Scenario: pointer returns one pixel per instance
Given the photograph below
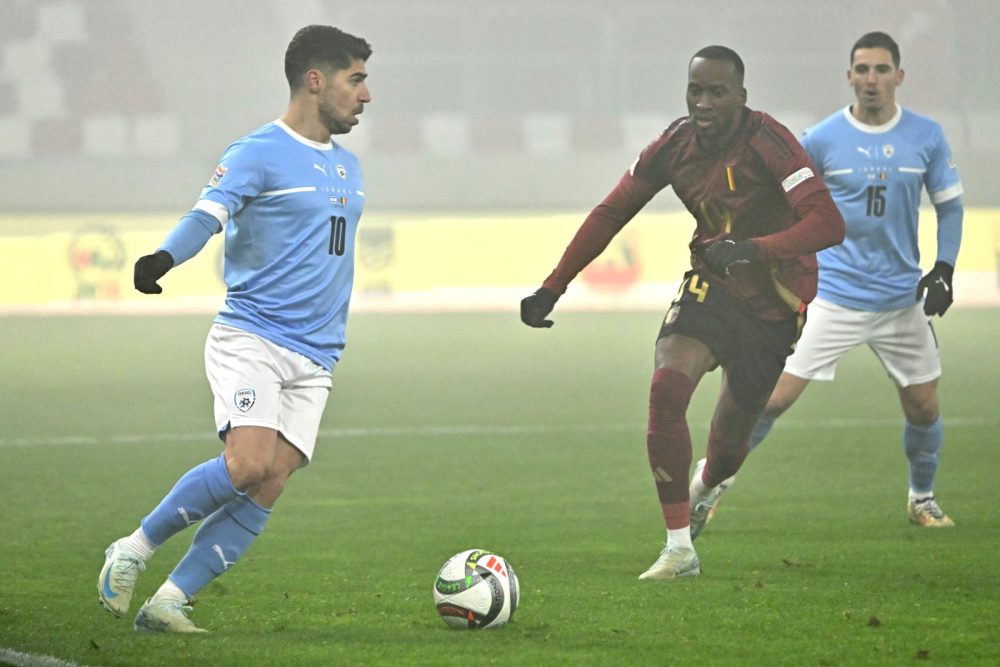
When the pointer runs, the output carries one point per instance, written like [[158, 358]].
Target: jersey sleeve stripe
[[273, 193], [947, 194], [912, 170], [214, 209]]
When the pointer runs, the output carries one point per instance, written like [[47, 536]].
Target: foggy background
[[109, 105]]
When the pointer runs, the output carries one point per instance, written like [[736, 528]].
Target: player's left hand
[[722, 256], [937, 283]]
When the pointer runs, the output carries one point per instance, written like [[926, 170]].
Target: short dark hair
[[322, 45], [877, 40], [716, 52]]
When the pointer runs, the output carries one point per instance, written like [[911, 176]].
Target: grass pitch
[[447, 432]]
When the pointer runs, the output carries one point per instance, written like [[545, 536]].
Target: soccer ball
[[476, 589]]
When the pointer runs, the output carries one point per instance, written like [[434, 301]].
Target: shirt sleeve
[[941, 178], [607, 219], [237, 178], [818, 222], [949, 231], [190, 236]]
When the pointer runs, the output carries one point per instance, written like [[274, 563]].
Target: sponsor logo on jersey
[[803, 174], [341, 171], [244, 399], [321, 167]]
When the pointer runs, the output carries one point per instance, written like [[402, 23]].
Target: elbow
[[836, 229]]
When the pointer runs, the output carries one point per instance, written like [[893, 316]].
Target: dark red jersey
[[761, 186]]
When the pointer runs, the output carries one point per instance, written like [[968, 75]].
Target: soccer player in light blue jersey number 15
[[876, 158], [289, 199]]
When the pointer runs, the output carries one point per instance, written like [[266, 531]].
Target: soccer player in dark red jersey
[[761, 212]]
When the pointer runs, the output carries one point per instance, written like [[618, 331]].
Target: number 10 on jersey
[[338, 235]]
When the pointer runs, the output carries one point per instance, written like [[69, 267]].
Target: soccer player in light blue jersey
[[876, 157], [289, 199]]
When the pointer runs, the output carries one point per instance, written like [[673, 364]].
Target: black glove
[[534, 308], [938, 285], [723, 255], [149, 269]]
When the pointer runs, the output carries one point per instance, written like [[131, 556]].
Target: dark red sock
[[668, 443], [724, 458]]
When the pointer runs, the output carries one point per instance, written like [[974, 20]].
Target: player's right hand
[[149, 269], [534, 308]]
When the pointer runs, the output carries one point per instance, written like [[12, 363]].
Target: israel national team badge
[[244, 399], [888, 150], [341, 171]]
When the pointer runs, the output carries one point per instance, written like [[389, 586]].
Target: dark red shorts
[[752, 350]]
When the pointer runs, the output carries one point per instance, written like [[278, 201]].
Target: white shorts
[[903, 340], [258, 383]]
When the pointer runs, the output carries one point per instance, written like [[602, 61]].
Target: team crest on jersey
[[888, 150], [244, 399], [217, 175], [672, 314], [341, 171]]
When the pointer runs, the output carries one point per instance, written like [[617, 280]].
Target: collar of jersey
[[328, 146], [874, 129]]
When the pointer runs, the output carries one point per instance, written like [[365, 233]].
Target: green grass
[[447, 432]]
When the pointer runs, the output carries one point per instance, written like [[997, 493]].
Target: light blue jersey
[[290, 208], [876, 174]]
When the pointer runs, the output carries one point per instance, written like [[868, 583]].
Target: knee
[[246, 472], [670, 392], [920, 405], [923, 414]]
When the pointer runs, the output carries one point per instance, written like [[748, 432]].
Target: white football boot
[[674, 562], [926, 512], [117, 579], [165, 616], [703, 506]]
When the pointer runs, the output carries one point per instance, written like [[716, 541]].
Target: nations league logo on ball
[[244, 399]]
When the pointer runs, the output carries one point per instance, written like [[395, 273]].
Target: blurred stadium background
[[126, 105], [113, 114]]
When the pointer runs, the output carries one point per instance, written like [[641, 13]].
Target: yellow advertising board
[[454, 262]]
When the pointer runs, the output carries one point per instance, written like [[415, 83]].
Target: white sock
[[169, 591], [680, 537], [140, 544], [917, 496]]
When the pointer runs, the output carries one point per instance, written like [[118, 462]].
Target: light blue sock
[[219, 543], [760, 430], [201, 491], [922, 445]]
